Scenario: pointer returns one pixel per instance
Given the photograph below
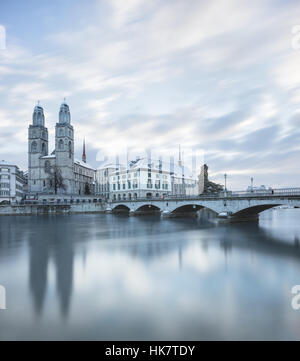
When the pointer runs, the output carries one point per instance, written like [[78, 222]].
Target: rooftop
[[4, 162], [81, 163]]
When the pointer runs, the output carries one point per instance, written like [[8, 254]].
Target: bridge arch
[[254, 210], [121, 208], [148, 208], [190, 207]]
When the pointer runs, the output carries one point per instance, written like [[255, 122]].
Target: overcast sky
[[221, 77]]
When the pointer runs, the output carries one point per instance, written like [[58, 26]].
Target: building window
[[70, 150], [60, 144], [34, 146]]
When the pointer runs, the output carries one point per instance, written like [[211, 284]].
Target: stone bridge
[[239, 206]]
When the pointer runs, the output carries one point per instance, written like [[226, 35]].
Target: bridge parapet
[[241, 206]]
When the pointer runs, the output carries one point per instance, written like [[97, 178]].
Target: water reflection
[[116, 277]]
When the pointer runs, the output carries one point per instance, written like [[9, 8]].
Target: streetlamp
[[225, 190]]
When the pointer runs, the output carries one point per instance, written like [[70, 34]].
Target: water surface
[[108, 277]]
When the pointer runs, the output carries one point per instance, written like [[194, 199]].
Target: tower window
[[70, 150], [60, 144], [34, 146], [43, 149]]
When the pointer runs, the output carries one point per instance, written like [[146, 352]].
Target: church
[[58, 172]]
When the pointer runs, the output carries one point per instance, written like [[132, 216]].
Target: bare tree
[[55, 178], [87, 189]]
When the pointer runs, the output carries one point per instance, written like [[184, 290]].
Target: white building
[[11, 183], [58, 172], [103, 179], [151, 178]]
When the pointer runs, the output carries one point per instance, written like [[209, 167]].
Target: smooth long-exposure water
[[109, 277]]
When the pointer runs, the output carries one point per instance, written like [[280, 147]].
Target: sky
[[220, 77]]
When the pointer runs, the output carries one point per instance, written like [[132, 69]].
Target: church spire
[[38, 117], [179, 157], [83, 152], [64, 113]]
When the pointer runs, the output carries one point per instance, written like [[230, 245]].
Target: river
[[113, 277]]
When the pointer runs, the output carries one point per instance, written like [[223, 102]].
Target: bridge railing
[[267, 192]]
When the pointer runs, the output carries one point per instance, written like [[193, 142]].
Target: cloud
[[221, 77]]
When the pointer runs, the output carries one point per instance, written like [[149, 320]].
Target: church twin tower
[[44, 169]]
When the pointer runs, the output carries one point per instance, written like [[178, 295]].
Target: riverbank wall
[[36, 209]]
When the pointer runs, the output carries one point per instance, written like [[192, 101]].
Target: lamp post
[[225, 190]]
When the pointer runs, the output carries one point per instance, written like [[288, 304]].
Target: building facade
[[147, 178], [58, 172], [103, 179], [12, 182]]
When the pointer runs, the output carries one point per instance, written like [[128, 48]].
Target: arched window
[[34, 146], [43, 149], [70, 150], [61, 144], [60, 131]]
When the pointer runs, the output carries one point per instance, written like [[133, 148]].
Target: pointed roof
[[83, 152]]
